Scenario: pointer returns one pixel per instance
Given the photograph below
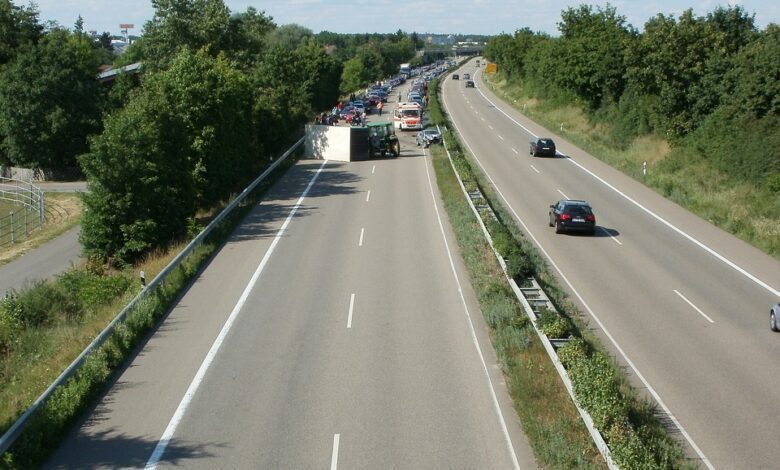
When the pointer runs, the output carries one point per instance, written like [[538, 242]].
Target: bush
[[553, 325], [44, 303], [11, 324], [597, 388], [573, 351], [90, 289]]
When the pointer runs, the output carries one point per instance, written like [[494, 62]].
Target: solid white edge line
[[693, 306], [368, 195], [690, 238], [362, 230], [534, 168], [590, 311], [473, 332], [351, 309], [564, 196], [162, 444], [334, 456]]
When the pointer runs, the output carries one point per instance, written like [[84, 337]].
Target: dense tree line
[[710, 84], [219, 93]]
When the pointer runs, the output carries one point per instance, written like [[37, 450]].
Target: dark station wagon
[[574, 215], [543, 146]]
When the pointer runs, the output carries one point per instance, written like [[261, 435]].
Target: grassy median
[[547, 414]]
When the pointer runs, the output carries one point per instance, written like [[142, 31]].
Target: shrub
[[44, 303], [91, 289], [598, 390], [573, 351], [552, 324], [11, 324]]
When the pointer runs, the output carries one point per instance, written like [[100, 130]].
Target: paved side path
[[48, 260], [44, 262]]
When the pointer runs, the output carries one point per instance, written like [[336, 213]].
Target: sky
[[487, 17]]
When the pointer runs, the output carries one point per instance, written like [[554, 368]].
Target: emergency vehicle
[[408, 115]]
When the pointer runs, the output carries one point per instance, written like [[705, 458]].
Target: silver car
[[774, 312], [428, 136]]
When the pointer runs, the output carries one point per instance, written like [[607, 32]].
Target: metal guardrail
[[16, 429], [27, 210], [598, 439]]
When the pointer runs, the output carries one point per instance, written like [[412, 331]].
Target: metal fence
[[159, 280], [22, 205]]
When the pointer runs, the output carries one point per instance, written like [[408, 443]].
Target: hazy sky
[[433, 16]]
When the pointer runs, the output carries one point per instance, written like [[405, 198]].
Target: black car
[[469, 84], [543, 147], [572, 214], [455, 76]]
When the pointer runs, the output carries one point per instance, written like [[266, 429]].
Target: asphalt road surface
[[343, 335], [682, 304]]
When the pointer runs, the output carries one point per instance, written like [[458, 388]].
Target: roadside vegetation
[[557, 434], [696, 97]]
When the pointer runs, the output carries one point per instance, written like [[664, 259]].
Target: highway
[[682, 305], [335, 329]]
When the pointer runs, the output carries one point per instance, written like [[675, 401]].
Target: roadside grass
[[546, 412], [747, 211], [63, 212], [41, 332]]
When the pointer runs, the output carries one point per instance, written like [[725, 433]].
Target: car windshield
[[410, 113]]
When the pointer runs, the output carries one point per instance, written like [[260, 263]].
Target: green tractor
[[382, 140]]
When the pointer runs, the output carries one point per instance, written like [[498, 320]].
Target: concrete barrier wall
[[328, 142]]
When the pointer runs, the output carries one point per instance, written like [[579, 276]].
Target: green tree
[[594, 46], [283, 97], [50, 101], [668, 61], [19, 29], [289, 36], [213, 104], [185, 24], [248, 37], [141, 188], [365, 67]]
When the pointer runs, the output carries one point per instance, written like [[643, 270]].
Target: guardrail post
[[12, 226], [26, 230]]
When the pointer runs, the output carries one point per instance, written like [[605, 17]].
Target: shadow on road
[[264, 220], [601, 232], [109, 449]]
